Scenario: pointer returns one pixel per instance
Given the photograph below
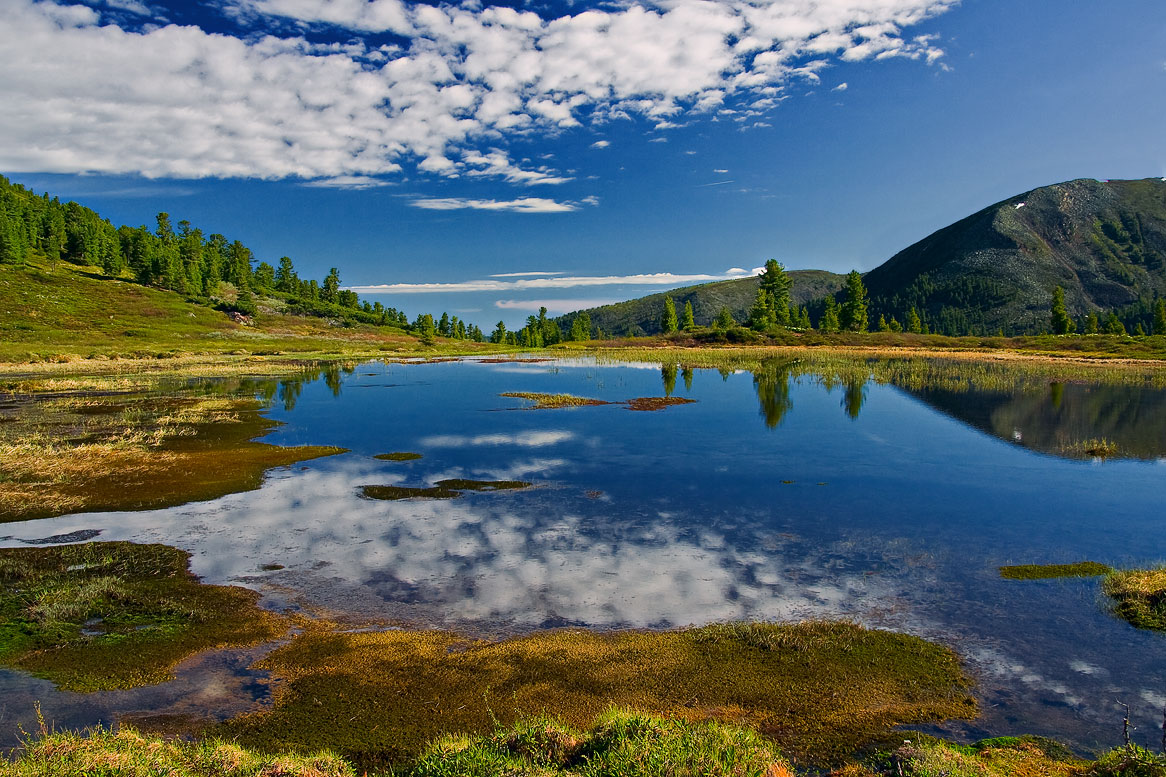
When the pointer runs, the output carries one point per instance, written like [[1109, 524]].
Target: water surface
[[779, 494]]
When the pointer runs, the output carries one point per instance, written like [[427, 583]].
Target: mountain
[[642, 316], [1103, 242]]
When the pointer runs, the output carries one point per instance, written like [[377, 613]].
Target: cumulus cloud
[[601, 144], [563, 282], [530, 274], [164, 100], [842, 87]]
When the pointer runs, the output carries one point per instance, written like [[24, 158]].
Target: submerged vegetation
[[442, 489], [820, 689], [397, 456], [1046, 571], [67, 449], [116, 615], [1139, 596]]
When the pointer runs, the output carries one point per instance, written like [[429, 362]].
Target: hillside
[[642, 316], [1104, 243]]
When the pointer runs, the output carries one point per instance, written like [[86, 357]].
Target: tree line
[[209, 269]]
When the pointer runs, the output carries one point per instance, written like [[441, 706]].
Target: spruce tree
[[883, 326], [914, 324], [724, 320], [829, 322], [1160, 317], [853, 317], [1062, 324], [668, 320], [776, 285], [761, 313], [688, 323]]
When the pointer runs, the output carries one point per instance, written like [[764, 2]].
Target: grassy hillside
[[54, 310], [642, 316], [1104, 243]]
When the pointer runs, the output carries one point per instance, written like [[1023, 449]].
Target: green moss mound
[[1139, 596], [1045, 571], [621, 744], [127, 753], [108, 615], [397, 456], [551, 401], [820, 689], [443, 489]]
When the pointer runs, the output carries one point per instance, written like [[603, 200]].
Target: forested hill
[[1103, 243], [209, 270], [642, 316]]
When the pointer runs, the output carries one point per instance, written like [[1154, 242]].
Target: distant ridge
[[1104, 243], [642, 316]]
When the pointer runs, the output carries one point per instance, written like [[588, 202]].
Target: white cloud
[[521, 205], [720, 170], [601, 144], [565, 282], [178, 101], [532, 273], [842, 87], [348, 182], [552, 305], [539, 439]]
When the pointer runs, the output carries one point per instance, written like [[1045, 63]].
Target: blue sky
[[611, 143]]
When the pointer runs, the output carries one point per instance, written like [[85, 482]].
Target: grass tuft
[[1045, 571], [1139, 596]]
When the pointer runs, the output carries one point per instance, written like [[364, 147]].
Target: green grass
[[549, 401], [819, 689], [443, 489], [107, 615], [1044, 571], [1139, 596], [397, 456], [622, 743], [128, 753]]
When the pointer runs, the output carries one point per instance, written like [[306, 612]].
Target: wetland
[[505, 563]]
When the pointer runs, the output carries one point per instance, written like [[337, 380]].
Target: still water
[[778, 494]]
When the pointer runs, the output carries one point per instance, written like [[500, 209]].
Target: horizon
[[573, 154]]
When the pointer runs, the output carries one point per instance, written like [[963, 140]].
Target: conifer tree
[[829, 322], [668, 320], [776, 285], [1160, 317], [1061, 323], [1113, 325], [853, 316], [914, 324], [724, 320], [883, 326], [688, 323]]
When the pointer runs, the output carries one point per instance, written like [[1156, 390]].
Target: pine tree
[[829, 322], [761, 313], [1160, 317], [1062, 324], [776, 285], [1113, 325], [914, 324], [853, 317], [895, 325], [724, 320], [1092, 324], [883, 326], [688, 323], [668, 320]]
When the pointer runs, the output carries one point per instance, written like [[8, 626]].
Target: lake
[[787, 491]]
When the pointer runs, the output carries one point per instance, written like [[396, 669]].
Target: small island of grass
[[551, 401], [656, 403], [442, 489], [1047, 571], [397, 456], [108, 615], [1139, 596]]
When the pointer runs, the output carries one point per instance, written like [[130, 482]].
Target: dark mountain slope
[[642, 316], [1104, 243]]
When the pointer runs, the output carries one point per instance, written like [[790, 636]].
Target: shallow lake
[[779, 493]]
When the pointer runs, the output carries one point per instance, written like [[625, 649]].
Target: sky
[[487, 159]]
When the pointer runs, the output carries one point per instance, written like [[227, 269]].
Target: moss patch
[[820, 689], [110, 615], [1139, 596], [443, 489], [133, 452], [621, 744], [550, 401], [127, 753], [399, 456], [1043, 571], [656, 403], [1002, 757]]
